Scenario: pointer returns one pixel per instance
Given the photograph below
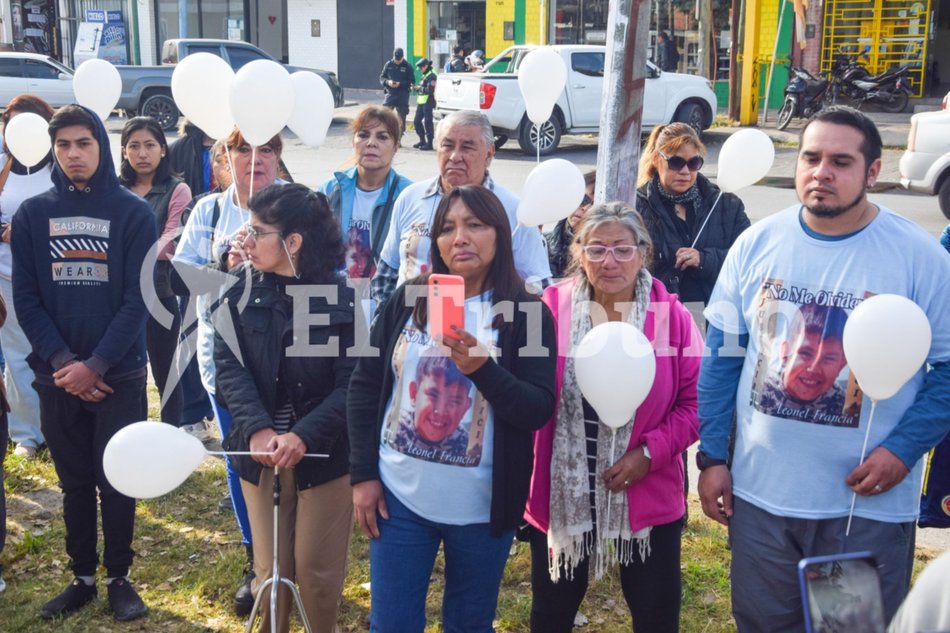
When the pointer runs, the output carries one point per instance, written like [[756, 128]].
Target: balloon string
[[537, 141], [864, 448], [250, 192], [251, 453], [708, 215]]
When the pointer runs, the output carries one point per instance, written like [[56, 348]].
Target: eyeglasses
[[587, 201], [676, 163], [621, 253], [251, 235]]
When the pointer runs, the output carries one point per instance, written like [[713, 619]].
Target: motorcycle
[[805, 95], [853, 84]]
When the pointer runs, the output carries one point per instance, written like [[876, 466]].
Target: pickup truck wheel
[[943, 196], [163, 109], [692, 115], [549, 133]]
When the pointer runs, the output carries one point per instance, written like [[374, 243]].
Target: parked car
[[146, 90], [36, 74], [667, 97], [925, 165]]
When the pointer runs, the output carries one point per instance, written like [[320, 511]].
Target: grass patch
[[189, 559]]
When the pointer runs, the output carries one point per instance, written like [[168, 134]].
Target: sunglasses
[[622, 253], [676, 163], [587, 201]]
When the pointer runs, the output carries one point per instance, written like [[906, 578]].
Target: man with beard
[[787, 494]]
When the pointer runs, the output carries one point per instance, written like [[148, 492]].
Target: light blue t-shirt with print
[[436, 444], [801, 415]]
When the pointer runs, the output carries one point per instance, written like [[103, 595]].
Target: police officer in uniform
[[397, 78], [425, 104]]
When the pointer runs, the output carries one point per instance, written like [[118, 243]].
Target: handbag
[[935, 496]]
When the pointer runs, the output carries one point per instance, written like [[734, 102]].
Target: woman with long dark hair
[[286, 392], [145, 171], [440, 427], [17, 183]]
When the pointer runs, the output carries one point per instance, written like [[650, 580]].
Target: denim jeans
[[223, 417], [401, 562], [24, 416], [195, 405]]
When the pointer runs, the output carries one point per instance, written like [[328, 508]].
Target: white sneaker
[[3, 585], [201, 431], [25, 451]]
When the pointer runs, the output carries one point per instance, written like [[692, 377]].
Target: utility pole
[[628, 33]]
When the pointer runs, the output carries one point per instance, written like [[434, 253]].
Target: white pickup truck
[[668, 97], [925, 165]]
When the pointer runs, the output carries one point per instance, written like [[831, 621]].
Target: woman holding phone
[[289, 401], [440, 426]]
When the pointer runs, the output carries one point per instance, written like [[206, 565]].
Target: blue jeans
[[223, 418], [401, 562]]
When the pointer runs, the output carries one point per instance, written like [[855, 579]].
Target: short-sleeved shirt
[[792, 455], [436, 444]]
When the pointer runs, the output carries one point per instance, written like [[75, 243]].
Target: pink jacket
[[666, 421]]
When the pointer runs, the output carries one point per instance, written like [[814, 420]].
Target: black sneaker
[[244, 598], [426, 147], [124, 602], [73, 598]]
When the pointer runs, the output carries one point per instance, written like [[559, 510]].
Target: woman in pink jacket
[[574, 472]]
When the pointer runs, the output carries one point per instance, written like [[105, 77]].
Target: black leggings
[[652, 588], [162, 343]]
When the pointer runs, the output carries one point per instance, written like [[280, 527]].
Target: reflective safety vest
[[425, 87]]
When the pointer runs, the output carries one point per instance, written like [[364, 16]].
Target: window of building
[[206, 18], [454, 24], [580, 21]]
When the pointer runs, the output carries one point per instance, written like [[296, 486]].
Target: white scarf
[[571, 534]]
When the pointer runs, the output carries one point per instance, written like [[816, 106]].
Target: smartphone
[[446, 305], [841, 592]]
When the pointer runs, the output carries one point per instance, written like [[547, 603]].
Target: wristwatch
[[704, 461]]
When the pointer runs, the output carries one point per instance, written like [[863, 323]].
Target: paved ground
[[893, 128]]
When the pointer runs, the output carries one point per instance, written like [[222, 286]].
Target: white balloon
[[149, 459], [541, 77], [27, 136], [97, 86], [745, 158], [262, 100], [552, 191], [201, 86], [313, 108], [615, 367], [886, 341]]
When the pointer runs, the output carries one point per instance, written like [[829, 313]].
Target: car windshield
[[58, 66]]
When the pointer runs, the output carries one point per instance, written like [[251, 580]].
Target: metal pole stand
[[276, 579]]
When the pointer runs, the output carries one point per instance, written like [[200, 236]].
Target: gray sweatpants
[[766, 549]]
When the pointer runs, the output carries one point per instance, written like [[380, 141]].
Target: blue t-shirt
[[436, 445], [801, 415]]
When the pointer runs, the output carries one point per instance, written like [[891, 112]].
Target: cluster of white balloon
[[261, 99]]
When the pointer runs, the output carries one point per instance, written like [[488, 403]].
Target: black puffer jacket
[[725, 225], [316, 384]]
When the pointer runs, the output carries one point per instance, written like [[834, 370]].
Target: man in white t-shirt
[[464, 149], [797, 463]]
